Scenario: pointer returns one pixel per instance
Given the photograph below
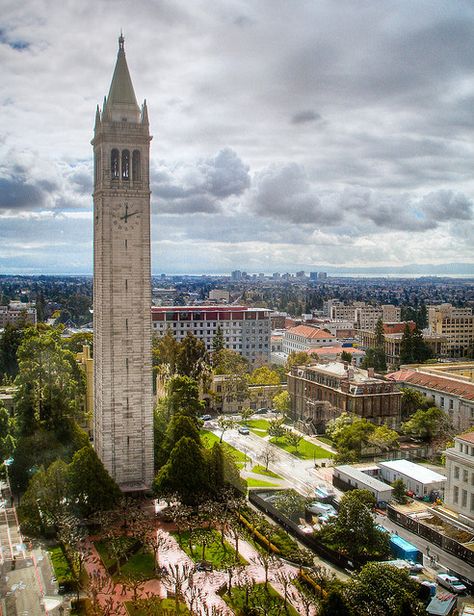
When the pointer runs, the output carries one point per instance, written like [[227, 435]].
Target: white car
[[450, 582], [321, 509]]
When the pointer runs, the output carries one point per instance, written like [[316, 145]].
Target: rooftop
[[368, 480], [414, 471], [306, 331], [158, 309], [335, 350], [337, 368], [468, 437], [439, 383]]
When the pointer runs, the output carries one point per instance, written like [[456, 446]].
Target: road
[[444, 559]]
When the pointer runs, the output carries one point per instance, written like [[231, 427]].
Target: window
[[464, 498], [455, 494], [114, 164], [472, 503], [441, 401], [465, 476], [451, 404], [125, 165], [456, 472], [136, 171]]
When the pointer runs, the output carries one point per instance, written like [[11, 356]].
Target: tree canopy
[[428, 424]]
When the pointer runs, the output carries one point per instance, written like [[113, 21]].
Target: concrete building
[[123, 397], [305, 338], [219, 295], [455, 324], [18, 312], [225, 398], [360, 314], [350, 477], [246, 330], [418, 479], [459, 493], [321, 392], [449, 392], [334, 353]]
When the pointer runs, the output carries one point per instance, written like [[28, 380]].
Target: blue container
[[405, 550]]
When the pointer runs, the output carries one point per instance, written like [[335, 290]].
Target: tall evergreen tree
[[406, 346], [218, 340]]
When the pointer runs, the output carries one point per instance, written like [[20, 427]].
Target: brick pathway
[[201, 589]]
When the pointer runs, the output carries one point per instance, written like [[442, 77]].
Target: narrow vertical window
[[126, 284], [126, 327], [114, 164], [126, 362], [126, 244], [125, 165], [136, 175]]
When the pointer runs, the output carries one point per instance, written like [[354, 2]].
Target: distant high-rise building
[[322, 275], [313, 275], [236, 275], [300, 274], [123, 396]]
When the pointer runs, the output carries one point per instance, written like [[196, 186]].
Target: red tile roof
[[306, 331], [334, 350], [469, 437], [432, 381]]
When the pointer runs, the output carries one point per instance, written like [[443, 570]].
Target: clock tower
[[123, 397]]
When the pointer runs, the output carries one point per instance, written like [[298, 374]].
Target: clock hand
[[127, 215]]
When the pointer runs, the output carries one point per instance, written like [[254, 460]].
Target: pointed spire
[[144, 113], [97, 118], [121, 102]]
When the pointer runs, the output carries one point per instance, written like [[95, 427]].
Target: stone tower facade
[[123, 396]]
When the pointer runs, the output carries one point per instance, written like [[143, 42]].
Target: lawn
[[259, 483], [306, 450], [216, 552], [325, 439], [141, 564], [156, 606], [209, 438], [242, 600], [261, 470], [61, 567], [103, 547], [257, 426]]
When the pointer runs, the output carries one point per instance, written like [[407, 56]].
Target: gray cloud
[[303, 117]]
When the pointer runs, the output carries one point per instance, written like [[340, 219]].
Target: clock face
[[126, 216]]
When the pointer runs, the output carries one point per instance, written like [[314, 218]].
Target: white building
[[417, 478], [459, 494], [219, 295], [456, 324], [305, 338], [18, 312], [246, 330], [347, 477]]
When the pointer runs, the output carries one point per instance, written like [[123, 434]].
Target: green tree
[[346, 356], [428, 424], [218, 343], [335, 605], [354, 530], [192, 358], [264, 376], [165, 351], [216, 465], [7, 441], [293, 439], [412, 400], [10, 340], [354, 436], [281, 402], [382, 589], [399, 490], [276, 428], [182, 397], [297, 358], [179, 426], [406, 346], [91, 488], [421, 351], [383, 438], [49, 382], [185, 473], [75, 342], [225, 423]]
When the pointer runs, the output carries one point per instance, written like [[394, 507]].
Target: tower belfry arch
[[123, 398]]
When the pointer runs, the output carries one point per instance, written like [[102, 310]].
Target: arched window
[[114, 164], [97, 173], [125, 165], [136, 175]]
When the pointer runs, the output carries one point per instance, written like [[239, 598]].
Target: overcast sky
[[287, 134]]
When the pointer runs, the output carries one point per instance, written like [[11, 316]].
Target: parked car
[[415, 567], [261, 411], [450, 582], [204, 565], [244, 430], [206, 417], [321, 509]]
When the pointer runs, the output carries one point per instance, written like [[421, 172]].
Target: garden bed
[[306, 450], [207, 545], [266, 600], [62, 569], [156, 606]]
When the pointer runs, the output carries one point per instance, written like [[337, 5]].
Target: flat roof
[[207, 309], [413, 471], [358, 475], [441, 605]]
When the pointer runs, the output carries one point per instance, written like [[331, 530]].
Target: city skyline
[[286, 136]]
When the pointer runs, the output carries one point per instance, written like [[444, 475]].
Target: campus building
[[459, 494], [455, 324], [306, 338], [245, 330], [323, 391], [17, 312]]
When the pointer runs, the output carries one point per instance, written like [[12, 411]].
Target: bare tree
[[267, 456], [286, 582], [73, 535], [100, 591], [176, 576]]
